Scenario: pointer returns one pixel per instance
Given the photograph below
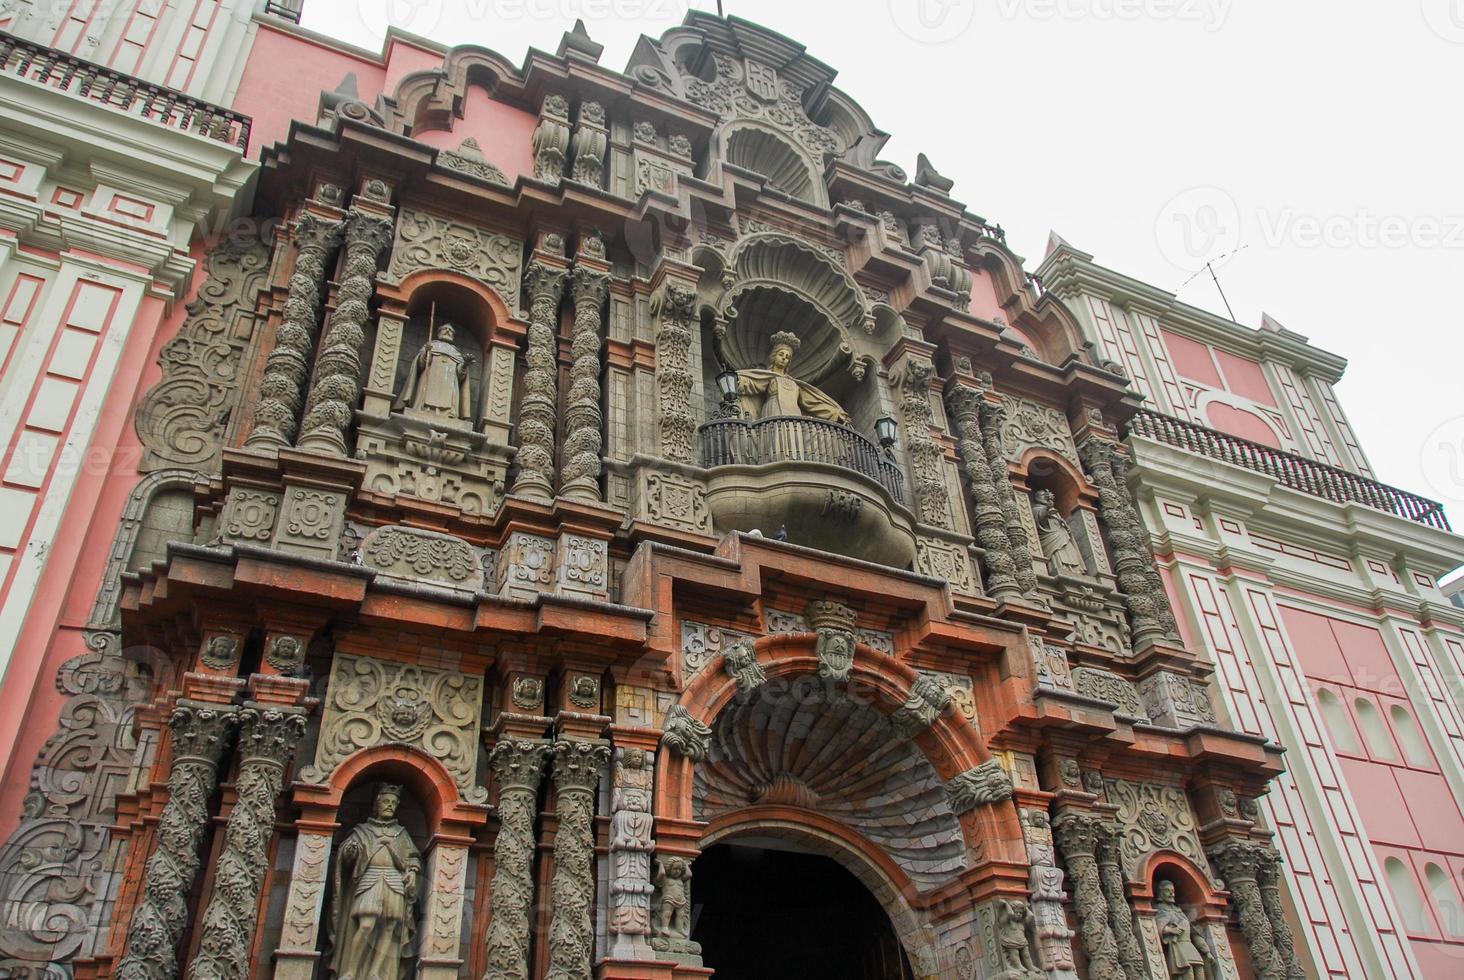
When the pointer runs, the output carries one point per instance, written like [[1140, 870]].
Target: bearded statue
[[374, 897]]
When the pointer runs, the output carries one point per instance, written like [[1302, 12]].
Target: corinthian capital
[[577, 764], [270, 734], [368, 231], [312, 232], [590, 286], [544, 281], [201, 730], [518, 764]]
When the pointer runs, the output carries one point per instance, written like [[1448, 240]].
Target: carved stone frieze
[[700, 644], [1107, 686], [1153, 817], [369, 701], [674, 501], [673, 306], [986, 783], [468, 159], [686, 736], [427, 241], [181, 419], [423, 556], [1029, 424]]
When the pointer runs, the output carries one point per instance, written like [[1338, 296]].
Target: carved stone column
[[336, 387], [993, 418], [281, 389], [1239, 862], [674, 305], [991, 530], [1268, 878], [267, 739], [583, 419], [1120, 466], [932, 499], [1131, 557], [545, 285], [199, 734], [577, 768], [1120, 916], [1077, 835], [518, 765], [630, 853]]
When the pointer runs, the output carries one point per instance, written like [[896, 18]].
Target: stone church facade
[[552, 521]]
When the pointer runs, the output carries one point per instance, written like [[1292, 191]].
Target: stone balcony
[[831, 487]]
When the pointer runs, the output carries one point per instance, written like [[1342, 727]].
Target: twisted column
[[991, 531], [674, 305], [1239, 862], [1077, 835], [1131, 558], [993, 420], [281, 389], [583, 418], [1120, 917], [1120, 464], [267, 739], [336, 386], [545, 285], [199, 734], [577, 768], [517, 767], [1268, 879]]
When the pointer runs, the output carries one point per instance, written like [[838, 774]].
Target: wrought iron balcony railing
[[1288, 469], [790, 439], [59, 70]]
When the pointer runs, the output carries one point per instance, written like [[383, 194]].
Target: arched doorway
[[767, 912]]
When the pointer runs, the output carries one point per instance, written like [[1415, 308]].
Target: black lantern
[[886, 428], [727, 387]]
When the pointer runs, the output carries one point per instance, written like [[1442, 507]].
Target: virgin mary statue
[[769, 392]]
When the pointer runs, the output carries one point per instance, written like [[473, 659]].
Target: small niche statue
[[374, 891], [1182, 957], [1016, 930], [1056, 537], [437, 381], [770, 392]]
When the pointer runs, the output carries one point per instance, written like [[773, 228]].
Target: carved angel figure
[[769, 392], [374, 892], [1015, 927], [1056, 538], [437, 383], [673, 909], [1181, 956]]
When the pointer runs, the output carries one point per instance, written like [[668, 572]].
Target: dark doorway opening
[[764, 914]]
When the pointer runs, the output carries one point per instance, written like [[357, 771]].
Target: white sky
[[1153, 134]]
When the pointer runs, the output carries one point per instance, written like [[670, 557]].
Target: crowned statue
[[374, 896], [770, 392], [437, 381]]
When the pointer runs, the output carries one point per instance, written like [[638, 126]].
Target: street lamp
[[886, 428], [727, 386]]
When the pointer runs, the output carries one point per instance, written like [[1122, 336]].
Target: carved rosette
[[1120, 916], [583, 418], [545, 285], [518, 766], [1244, 864], [577, 767], [281, 389], [986, 783], [1077, 835], [932, 501], [335, 390], [991, 527], [267, 740], [993, 417], [674, 305], [200, 733]]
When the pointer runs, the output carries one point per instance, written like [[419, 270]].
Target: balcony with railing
[[1297, 472], [831, 487], [37, 63]]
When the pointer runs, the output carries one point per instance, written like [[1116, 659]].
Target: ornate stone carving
[[986, 783], [771, 392], [944, 560], [1059, 546], [1016, 935], [1077, 834], [551, 139], [1268, 869], [775, 102], [374, 924], [686, 736], [927, 701], [545, 284], [583, 418], [584, 692], [674, 306], [589, 144], [285, 654], [932, 501], [1240, 862], [1181, 944], [1028, 424], [369, 701], [1046, 880], [181, 419], [631, 846], [834, 623], [528, 693], [1153, 817], [526, 565], [1120, 915], [740, 660], [468, 159], [673, 500], [1050, 663], [673, 907], [517, 766], [959, 688], [991, 530], [426, 241], [1175, 701], [267, 739], [577, 768], [429, 556], [993, 417], [1107, 686], [282, 387], [700, 644], [250, 514], [221, 652], [335, 389], [200, 733]]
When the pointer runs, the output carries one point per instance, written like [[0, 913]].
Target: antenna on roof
[[719, 9], [1210, 268]]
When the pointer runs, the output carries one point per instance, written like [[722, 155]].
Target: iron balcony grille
[[288, 9], [1288, 469], [793, 439], [84, 79]]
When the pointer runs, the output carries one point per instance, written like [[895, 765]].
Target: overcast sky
[[1318, 138]]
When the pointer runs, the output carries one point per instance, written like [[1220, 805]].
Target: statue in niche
[[673, 911], [1056, 537], [374, 895], [769, 392], [437, 382], [1016, 931], [1182, 956]]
